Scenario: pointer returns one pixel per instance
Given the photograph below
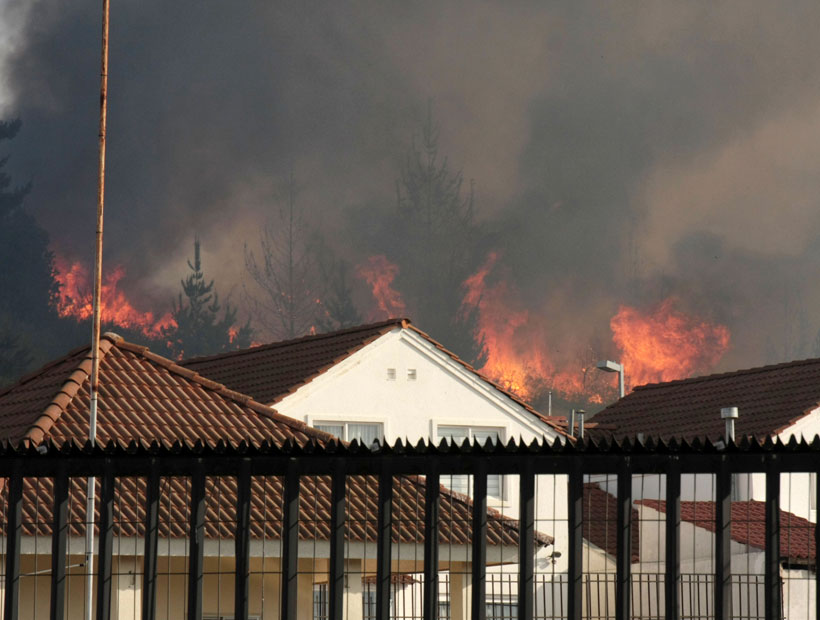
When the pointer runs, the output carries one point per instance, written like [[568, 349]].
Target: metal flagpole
[[95, 327]]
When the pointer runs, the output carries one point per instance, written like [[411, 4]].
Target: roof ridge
[[284, 343], [486, 379], [731, 373], [38, 430]]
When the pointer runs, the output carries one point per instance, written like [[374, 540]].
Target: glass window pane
[[333, 429], [481, 435], [494, 486], [365, 433], [457, 433]]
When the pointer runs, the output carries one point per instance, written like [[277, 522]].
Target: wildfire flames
[[74, 300], [379, 273], [660, 345], [665, 344]]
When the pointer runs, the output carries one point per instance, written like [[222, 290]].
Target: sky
[[621, 152]]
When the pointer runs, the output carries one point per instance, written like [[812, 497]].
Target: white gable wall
[[444, 392]]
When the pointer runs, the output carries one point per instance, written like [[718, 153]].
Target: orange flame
[[379, 273], [660, 345], [665, 344], [74, 300], [515, 341]]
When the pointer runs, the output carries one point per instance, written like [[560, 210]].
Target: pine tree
[[337, 301], [436, 235], [199, 330]]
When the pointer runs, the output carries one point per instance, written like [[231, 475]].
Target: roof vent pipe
[[572, 423], [730, 414], [580, 414]]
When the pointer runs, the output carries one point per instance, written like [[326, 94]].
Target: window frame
[[345, 421], [503, 432]]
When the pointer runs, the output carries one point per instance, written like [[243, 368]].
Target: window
[[365, 432], [411, 374], [460, 434], [812, 491], [391, 374]]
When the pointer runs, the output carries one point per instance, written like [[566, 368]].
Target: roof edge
[[46, 420], [393, 322]]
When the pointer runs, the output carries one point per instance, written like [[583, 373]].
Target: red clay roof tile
[[769, 399], [749, 525]]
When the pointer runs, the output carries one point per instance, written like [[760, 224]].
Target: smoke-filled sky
[[621, 152]]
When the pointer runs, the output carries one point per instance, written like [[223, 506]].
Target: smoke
[[621, 152]]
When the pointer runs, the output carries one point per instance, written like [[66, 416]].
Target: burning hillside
[[74, 300]]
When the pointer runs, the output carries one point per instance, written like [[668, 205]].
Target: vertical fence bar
[[149, 570], [13, 525], [431, 512], [59, 539], [106, 546], [672, 562], [772, 553], [526, 542], [196, 543], [623, 560], [384, 544], [337, 541], [723, 542], [290, 543], [242, 541], [479, 555], [575, 506], [817, 550]]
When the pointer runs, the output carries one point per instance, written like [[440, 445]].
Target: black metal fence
[[135, 484]]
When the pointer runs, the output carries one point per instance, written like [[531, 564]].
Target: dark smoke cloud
[[621, 152]]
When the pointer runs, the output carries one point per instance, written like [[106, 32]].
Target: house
[[390, 380], [387, 381], [780, 401], [146, 398]]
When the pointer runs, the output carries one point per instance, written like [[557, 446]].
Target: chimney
[[730, 414]]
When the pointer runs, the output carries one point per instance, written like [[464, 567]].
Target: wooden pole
[[96, 320]]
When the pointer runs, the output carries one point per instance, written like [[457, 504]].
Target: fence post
[[196, 542], [575, 505], [526, 534], [478, 600], [149, 572], [672, 561], [337, 541], [59, 532], [290, 542], [431, 512], [623, 560], [772, 553], [106, 547], [242, 540], [723, 542], [384, 542]]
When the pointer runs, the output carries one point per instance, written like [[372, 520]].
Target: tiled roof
[[271, 372], [145, 398], [454, 526], [749, 525], [600, 517], [769, 399]]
